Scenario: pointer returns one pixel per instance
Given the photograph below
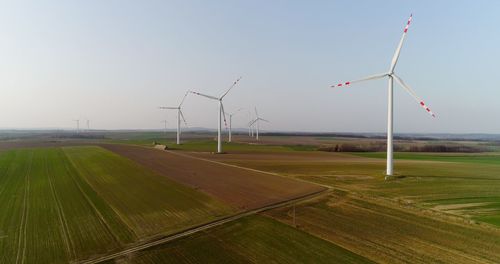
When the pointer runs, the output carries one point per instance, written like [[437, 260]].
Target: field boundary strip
[[199, 228]]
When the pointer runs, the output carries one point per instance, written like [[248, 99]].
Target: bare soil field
[[244, 189]]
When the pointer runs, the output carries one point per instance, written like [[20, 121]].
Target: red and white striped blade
[[400, 45], [224, 115], [231, 87], [184, 98], [168, 107], [204, 95], [371, 77], [183, 119], [413, 94]]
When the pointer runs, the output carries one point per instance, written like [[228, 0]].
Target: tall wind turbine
[[221, 113], [179, 116], [231, 123], [392, 76], [256, 121]]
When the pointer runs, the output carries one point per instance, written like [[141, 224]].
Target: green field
[[254, 239], [483, 158], [62, 204], [90, 201], [211, 145]]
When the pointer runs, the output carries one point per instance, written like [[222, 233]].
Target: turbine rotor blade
[[252, 122], [256, 114], [368, 78], [204, 95], [261, 119], [184, 98], [413, 94], [183, 119], [167, 107], [400, 45], [224, 114], [231, 87]]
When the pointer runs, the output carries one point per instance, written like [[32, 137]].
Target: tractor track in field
[[21, 252], [60, 212], [193, 230], [89, 201]]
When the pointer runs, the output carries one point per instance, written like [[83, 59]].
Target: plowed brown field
[[242, 188]]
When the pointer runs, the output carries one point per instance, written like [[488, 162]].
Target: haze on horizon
[[115, 62]]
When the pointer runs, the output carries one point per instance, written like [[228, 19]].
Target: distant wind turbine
[[392, 76], [221, 113], [77, 125], [179, 115], [250, 129], [231, 122], [256, 121], [165, 121]]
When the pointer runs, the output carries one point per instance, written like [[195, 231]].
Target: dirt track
[[241, 188]]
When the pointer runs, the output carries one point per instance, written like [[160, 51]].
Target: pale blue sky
[[114, 62]]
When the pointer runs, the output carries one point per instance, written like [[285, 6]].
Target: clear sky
[[115, 62]]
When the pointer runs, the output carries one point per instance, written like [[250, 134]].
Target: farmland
[[385, 232], [102, 198], [253, 239], [441, 210], [244, 189], [54, 209], [463, 185]]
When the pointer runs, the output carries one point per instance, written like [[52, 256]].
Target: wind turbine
[[165, 122], [221, 113], [231, 122], [77, 125], [179, 115], [392, 76], [256, 121], [250, 129], [88, 125]]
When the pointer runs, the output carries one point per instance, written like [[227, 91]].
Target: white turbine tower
[[392, 76], [231, 123], [256, 121], [179, 116], [221, 113]]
